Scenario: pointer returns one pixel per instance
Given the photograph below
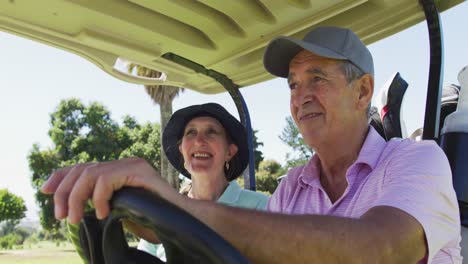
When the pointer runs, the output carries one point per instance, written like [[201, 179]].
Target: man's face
[[323, 104]]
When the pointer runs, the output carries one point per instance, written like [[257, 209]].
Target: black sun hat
[[175, 127]]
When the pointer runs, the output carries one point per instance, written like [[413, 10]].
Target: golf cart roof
[[228, 37]]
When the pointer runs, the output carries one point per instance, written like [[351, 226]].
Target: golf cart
[[214, 46]]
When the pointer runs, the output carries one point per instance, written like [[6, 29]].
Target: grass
[[41, 253]]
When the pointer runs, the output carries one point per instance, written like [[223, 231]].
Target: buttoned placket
[[354, 170]]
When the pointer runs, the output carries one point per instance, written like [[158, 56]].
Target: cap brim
[[282, 50]]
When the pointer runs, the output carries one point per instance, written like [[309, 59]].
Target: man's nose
[[302, 96]]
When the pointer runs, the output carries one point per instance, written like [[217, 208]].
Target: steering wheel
[[185, 238]]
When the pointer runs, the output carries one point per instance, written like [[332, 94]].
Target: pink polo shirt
[[412, 176]]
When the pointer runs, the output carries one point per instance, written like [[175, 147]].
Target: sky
[[34, 78]]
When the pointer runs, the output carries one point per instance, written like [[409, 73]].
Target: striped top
[[412, 176], [234, 196]]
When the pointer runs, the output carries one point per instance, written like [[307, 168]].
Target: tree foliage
[[258, 154], [87, 134], [271, 167], [267, 176], [301, 153], [8, 241], [12, 210]]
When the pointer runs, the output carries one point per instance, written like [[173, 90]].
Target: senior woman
[[209, 146]]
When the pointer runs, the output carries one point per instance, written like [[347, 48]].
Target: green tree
[[145, 143], [271, 167], [258, 154], [291, 137], [12, 210], [162, 95], [42, 163], [23, 233], [8, 241], [267, 176], [87, 134]]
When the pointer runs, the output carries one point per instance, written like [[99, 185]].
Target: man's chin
[[311, 139]]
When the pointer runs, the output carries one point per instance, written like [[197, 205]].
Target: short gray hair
[[352, 72]]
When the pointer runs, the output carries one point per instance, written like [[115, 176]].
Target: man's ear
[[366, 90], [232, 150]]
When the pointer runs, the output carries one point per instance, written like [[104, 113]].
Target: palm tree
[[162, 95]]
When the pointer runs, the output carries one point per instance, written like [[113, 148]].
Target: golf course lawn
[[41, 253]]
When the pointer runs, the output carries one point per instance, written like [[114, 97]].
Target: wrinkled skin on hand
[[73, 186]]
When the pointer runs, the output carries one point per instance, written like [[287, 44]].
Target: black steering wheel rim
[[185, 238]]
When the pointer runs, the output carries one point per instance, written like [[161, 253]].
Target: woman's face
[[205, 147]]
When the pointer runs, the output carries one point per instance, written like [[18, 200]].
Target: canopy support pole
[[434, 89]]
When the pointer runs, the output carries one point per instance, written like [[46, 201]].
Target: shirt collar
[[371, 149], [369, 154], [231, 194], [310, 173]]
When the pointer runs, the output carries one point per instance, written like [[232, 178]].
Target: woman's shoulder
[[253, 200], [254, 194], [239, 197]]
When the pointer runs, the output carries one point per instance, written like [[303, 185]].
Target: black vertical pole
[[249, 178], [236, 95], [434, 89]]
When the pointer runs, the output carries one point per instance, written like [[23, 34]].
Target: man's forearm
[[274, 238]]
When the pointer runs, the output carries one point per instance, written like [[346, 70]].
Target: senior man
[[358, 200]]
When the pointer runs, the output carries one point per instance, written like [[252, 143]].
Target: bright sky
[[35, 77]]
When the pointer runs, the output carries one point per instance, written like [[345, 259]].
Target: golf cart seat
[[448, 105], [453, 132], [454, 138], [385, 116], [454, 142]]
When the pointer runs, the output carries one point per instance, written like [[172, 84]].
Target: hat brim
[[282, 50], [176, 125]]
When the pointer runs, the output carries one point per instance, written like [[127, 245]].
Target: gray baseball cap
[[329, 42]]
